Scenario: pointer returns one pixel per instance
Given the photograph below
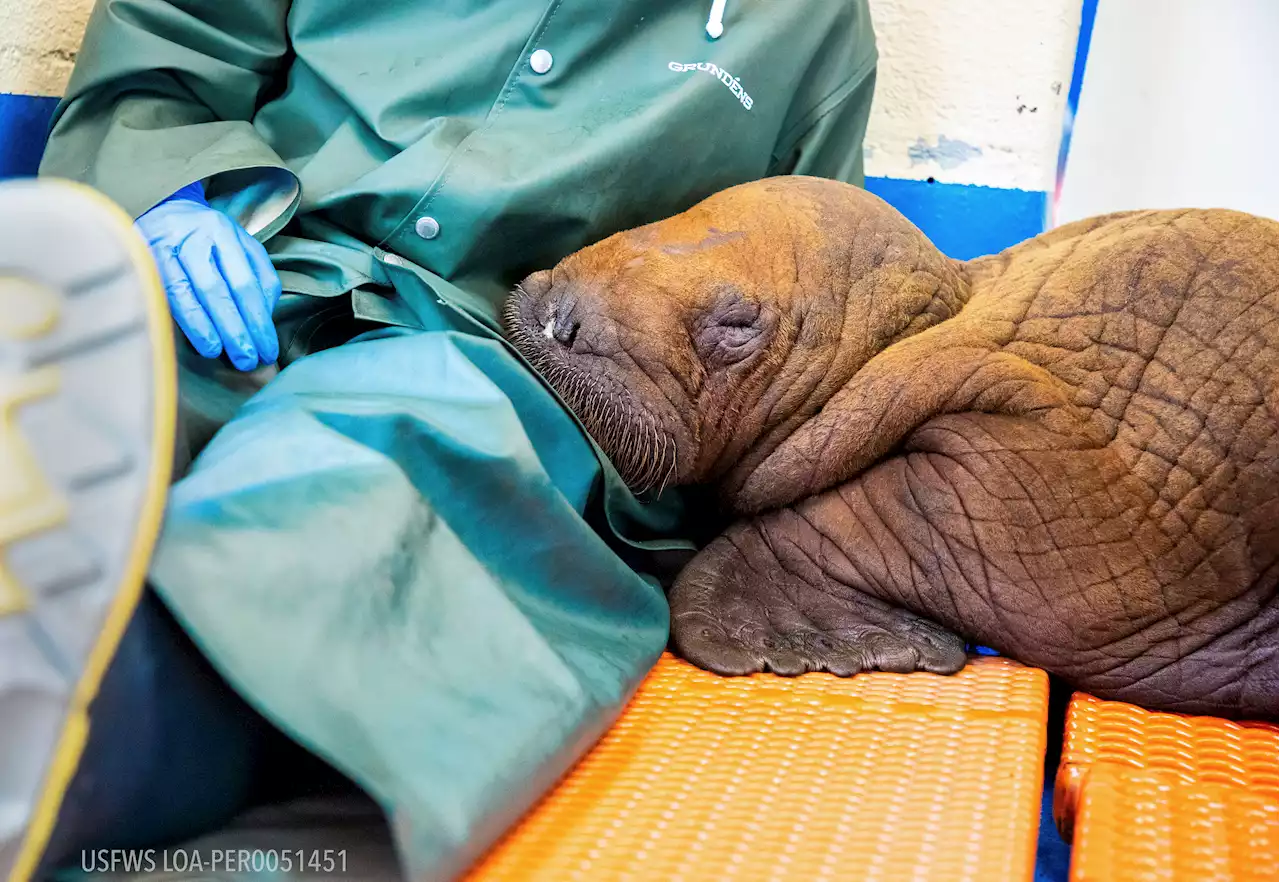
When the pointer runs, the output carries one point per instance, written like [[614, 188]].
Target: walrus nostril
[[563, 331], [562, 325], [566, 331]]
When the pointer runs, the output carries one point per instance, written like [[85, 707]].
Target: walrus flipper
[[754, 600]]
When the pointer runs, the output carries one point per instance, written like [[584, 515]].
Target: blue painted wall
[[1088, 14], [23, 123], [966, 221]]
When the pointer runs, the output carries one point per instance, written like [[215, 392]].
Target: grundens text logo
[[720, 74]]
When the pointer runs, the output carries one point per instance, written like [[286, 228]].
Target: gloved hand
[[220, 283]]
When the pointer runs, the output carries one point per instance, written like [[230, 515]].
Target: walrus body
[[1066, 451]]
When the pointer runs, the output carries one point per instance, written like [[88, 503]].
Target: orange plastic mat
[[1142, 826], [1192, 750], [876, 777], [1154, 796]]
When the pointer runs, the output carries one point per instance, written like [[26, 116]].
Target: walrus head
[[691, 347]]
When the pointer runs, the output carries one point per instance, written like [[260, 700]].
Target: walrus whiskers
[[630, 439]]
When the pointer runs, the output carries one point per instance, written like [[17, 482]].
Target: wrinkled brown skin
[[1066, 451]]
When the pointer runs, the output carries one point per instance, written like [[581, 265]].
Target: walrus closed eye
[[1066, 451]]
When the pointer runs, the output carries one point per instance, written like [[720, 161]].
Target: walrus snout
[[540, 314], [582, 333]]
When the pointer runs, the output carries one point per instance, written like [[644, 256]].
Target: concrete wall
[[963, 138], [971, 93], [968, 115], [38, 43]]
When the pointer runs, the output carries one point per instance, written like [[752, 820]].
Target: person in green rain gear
[[386, 533]]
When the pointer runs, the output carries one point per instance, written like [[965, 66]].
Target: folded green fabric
[[385, 552]]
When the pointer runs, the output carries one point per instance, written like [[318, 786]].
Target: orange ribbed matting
[[1158, 796], [875, 777], [1140, 826], [1190, 749]]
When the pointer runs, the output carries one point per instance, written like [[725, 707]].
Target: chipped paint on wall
[[946, 153], [971, 93]]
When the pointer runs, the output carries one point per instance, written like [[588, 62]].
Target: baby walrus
[[1066, 451]]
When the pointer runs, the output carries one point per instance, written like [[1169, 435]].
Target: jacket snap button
[[541, 61], [427, 227]]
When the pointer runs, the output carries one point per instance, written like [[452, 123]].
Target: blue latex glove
[[220, 283]]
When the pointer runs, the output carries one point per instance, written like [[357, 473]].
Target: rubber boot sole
[[87, 413]]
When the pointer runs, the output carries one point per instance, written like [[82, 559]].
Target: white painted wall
[[973, 92], [1180, 107], [969, 93]]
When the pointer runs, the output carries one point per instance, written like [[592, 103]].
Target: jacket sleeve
[[823, 134], [831, 147], [164, 93]]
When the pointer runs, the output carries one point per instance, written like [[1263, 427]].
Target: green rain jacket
[[389, 549]]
